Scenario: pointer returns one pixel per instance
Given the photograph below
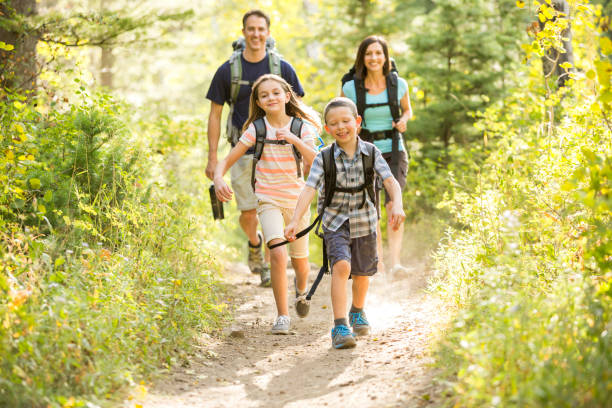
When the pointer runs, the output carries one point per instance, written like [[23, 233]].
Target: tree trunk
[[551, 62], [107, 60], [18, 67]]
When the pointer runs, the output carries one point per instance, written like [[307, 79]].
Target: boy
[[349, 221]]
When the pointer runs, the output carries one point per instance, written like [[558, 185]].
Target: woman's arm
[[406, 113]]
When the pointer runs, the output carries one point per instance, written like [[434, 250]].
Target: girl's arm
[[406, 113], [308, 152], [303, 203], [222, 190]]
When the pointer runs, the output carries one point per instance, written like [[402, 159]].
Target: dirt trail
[[388, 368]]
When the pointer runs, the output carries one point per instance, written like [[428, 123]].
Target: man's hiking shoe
[[359, 323], [302, 305], [266, 280], [281, 325], [342, 337], [255, 259]]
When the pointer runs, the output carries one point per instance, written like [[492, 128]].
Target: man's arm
[[214, 134]]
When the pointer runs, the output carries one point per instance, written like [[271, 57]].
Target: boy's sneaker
[[359, 323], [264, 274], [302, 305], [342, 337], [281, 325], [255, 259]]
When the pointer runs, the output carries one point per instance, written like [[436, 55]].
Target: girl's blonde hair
[[294, 107]]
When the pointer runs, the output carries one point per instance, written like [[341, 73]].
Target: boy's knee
[[342, 267]]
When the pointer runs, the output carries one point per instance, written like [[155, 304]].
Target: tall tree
[[18, 68], [556, 18]]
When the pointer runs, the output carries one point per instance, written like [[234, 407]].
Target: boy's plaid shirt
[[345, 206]]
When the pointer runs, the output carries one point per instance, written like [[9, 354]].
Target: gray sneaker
[[281, 325], [264, 274], [255, 258]]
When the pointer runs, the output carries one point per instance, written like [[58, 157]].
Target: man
[[254, 61]]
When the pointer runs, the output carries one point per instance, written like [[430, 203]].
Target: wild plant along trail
[[248, 367]]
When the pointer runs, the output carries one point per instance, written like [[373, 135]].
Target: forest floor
[[245, 366]]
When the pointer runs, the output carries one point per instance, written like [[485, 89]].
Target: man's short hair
[[257, 13], [340, 102]]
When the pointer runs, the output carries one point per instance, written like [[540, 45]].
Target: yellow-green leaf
[[605, 44], [48, 196], [591, 74], [59, 261], [6, 47], [35, 183], [41, 208]]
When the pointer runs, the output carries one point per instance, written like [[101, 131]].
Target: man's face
[[255, 33]]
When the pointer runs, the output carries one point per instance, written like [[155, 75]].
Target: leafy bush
[[530, 271]]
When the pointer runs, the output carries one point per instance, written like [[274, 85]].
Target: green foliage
[[103, 277], [530, 270]]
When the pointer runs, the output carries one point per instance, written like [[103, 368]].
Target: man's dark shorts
[[360, 252]]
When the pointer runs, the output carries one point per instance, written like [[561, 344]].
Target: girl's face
[[374, 58], [341, 123], [271, 97]]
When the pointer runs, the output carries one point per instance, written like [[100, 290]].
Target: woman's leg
[[394, 238]]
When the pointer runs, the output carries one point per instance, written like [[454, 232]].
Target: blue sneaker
[[359, 323], [342, 337]]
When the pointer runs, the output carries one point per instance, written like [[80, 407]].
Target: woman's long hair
[[360, 69], [294, 107]]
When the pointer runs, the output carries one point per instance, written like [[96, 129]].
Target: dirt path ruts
[[388, 368]]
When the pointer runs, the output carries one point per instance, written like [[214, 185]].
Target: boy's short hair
[[257, 13], [340, 102]]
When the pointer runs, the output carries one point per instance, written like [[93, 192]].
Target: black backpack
[[360, 91], [260, 141], [329, 172]]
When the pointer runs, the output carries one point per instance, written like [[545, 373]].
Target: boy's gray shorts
[[360, 252]]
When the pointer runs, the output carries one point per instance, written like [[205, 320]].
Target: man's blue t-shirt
[[219, 91]]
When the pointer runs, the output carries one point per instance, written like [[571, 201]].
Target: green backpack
[[274, 59]]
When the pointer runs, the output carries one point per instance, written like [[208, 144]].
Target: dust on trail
[[388, 368]]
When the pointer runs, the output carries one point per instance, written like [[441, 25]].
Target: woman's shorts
[[273, 220], [399, 173], [360, 252]]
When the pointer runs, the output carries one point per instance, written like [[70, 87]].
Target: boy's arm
[[397, 208], [303, 203], [222, 190]]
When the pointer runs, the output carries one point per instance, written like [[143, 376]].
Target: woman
[[384, 120]]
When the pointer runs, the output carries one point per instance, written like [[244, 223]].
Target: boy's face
[[341, 124]]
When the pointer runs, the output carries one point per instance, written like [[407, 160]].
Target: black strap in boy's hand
[[299, 234]]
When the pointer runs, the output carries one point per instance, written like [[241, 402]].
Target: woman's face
[[374, 58]]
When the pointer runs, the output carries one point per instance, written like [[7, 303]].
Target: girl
[[274, 107], [372, 66]]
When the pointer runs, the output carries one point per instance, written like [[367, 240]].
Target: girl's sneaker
[[342, 337], [359, 323], [281, 325]]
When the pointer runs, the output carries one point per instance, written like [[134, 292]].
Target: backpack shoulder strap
[[274, 61], [236, 75], [260, 137], [368, 170], [329, 174], [296, 129], [360, 96], [392, 93]]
